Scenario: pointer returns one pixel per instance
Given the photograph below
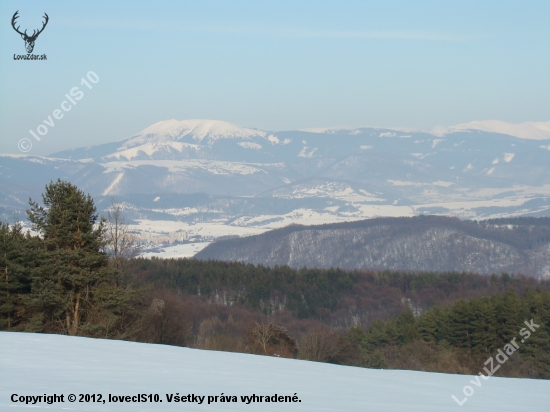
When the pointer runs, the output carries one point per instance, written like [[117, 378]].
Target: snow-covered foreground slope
[[37, 364]]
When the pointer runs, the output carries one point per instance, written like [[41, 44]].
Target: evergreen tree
[[430, 325], [484, 337], [536, 349], [73, 267], [406, 326], [15, 278], [460, 325], [368, 344], [507, 310]]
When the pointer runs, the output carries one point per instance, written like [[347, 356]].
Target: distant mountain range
[[214, 171], [527, 130], [425, 243]]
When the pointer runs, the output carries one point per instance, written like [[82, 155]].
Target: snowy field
[[187, 250], [38, 364]]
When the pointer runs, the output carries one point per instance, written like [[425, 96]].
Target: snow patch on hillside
[[250, 145], [436, 142], [151, 148], [305, 153], [273, 139], [508, 157], [439, 183], [182, 166], [110, 189], [186, 250]]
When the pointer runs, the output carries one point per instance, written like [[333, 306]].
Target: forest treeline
[[75, 276], [340, 298]]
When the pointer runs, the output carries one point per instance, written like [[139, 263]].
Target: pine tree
[[507, 310], [460, 325], [72, 267], [484, 338], [15, 278], [428, 325], [536, 349], [406, 326]]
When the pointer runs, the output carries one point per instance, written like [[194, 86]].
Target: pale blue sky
[[273, 65]]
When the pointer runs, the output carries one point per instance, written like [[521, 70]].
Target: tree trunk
[[73, 328]]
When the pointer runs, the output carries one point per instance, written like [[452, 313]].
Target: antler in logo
[[29, 40]]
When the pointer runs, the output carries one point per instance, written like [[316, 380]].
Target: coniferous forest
[[72, 276]]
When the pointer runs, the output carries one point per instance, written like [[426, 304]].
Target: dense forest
[[340, 298], [77, 276]]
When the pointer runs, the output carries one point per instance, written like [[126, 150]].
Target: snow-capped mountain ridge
[[214, 139], [170, 139], [195, 130], [526, 130]]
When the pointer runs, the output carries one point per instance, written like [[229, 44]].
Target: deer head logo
[[29, 40]]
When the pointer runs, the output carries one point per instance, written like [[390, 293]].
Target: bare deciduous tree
[[262, 333], [215, 334], [270, 339], [319, 344], [168, 320], [121, 243]]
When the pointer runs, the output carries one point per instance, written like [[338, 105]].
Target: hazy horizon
[[271, 66]]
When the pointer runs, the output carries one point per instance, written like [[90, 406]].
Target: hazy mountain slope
[[326, 175], [428, 243], [527, 130], [37, 364]]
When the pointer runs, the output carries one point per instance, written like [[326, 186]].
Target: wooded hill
[[423, 243]]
